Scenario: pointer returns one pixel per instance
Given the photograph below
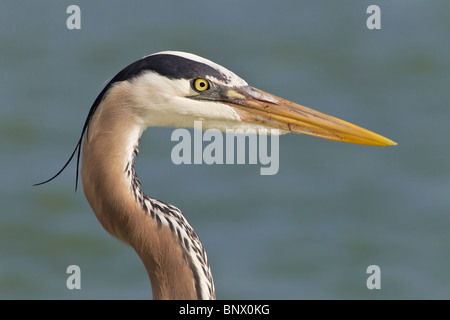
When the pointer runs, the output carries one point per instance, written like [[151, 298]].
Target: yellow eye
[[201, 84]]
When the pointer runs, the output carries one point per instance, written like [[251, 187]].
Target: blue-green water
[[308, 232]]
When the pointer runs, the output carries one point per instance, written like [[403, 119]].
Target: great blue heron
[[175, 89]]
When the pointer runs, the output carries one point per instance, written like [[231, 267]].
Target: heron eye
[[201, 84]]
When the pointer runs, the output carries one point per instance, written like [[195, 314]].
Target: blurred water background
[[308, 232]]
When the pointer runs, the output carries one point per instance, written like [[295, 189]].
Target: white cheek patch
[[153, 91]]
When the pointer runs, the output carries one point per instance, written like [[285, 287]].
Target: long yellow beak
[[257, 106]]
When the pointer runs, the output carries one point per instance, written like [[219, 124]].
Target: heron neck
[[113, 191]]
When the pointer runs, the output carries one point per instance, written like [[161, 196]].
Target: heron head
[[175, 89]]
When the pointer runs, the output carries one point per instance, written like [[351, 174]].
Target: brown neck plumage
[[113, 191]]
